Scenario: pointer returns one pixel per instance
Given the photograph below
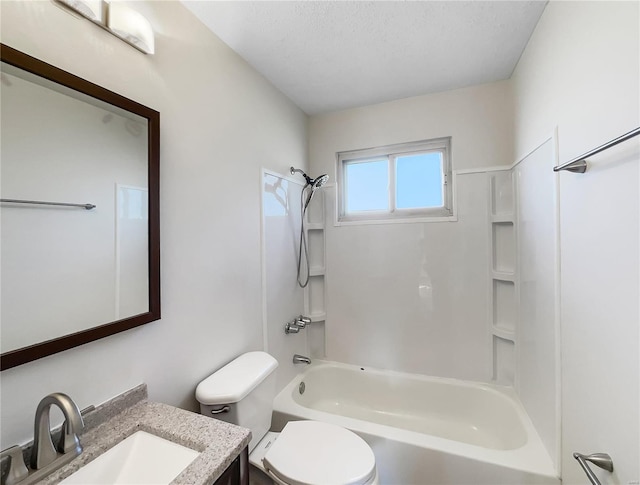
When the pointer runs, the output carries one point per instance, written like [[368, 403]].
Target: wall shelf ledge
[[504, 276], [503, 333]]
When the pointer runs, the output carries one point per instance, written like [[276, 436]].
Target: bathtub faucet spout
[[301, 359]]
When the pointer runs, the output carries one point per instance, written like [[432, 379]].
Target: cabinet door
[[238, 472]]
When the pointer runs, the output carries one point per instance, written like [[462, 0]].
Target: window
[[406, 181]]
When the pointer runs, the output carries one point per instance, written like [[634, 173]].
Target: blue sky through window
[[419, 181], [367, 186], [401, 182]]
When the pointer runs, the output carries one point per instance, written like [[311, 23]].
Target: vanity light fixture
[[91, 9], [130, 26], [118, 19]]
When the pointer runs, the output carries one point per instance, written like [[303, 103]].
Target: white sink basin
[[142, 458]]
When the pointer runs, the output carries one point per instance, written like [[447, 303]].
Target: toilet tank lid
[[235, 380]]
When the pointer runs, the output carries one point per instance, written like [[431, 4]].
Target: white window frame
[[390, 153]]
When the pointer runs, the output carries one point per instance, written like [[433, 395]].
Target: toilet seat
[[313, 453]]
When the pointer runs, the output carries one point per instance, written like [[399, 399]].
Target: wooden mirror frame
[[36, 351]]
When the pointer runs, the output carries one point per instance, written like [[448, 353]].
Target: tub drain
[[301, 387]]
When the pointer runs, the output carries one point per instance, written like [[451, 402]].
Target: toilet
[[304, 452]]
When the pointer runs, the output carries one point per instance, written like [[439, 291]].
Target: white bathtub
[[423, 430]]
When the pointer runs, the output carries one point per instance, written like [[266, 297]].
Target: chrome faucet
[[44, 457], [301, 359], [43, 452]]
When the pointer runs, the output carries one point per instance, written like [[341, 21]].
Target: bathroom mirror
[[80, 239]]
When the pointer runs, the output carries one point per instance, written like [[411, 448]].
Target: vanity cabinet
[[238, 472]]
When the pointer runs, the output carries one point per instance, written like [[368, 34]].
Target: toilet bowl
[[304, 452], [311, 452]]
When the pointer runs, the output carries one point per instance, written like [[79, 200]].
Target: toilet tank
[[242, 393]]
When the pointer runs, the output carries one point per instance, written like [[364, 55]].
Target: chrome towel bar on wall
[[579, 164], [601, 460], [39, 202]]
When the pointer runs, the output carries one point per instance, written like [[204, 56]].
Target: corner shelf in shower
[[314, 293], [505, 217], [504, 275], [318, 317], [316, 271], [503, 333]]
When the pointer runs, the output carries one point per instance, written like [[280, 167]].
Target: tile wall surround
[[413, 297], [538, 270], [395, 291], [283, 299]]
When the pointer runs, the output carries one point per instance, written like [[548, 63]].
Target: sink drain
[[301, 387]]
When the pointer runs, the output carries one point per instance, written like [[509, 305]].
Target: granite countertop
[[219, 443]]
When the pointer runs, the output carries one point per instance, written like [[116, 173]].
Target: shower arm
[[315, 183], [293, 170]]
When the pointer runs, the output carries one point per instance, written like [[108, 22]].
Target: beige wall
[[479, 119], [581, 73], [220, 123]]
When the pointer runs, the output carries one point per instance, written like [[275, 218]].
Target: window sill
[[395, 220]]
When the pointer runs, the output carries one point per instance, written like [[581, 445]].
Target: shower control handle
[[291, 327], [302, 321], [601, 460], [297, 324]]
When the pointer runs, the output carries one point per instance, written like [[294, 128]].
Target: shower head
[[315, 183], [308, 190], [320, 181]]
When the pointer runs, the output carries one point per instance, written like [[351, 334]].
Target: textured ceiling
[[333, 55]]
